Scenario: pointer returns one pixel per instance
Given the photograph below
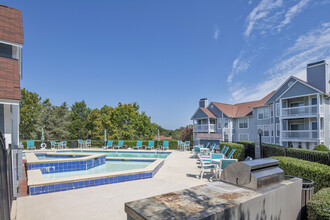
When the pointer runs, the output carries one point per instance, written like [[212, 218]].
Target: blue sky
[[166, 55]]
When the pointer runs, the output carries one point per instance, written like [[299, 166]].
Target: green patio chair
[[120, 144], [109, 144], [63, 144], [138, 145], [165, 145], [30, 145], [53, 145], [150, 145], [179, 145], [230, 155], [88, 143], [80, 143]]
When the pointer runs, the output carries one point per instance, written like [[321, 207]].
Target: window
[[314, 101], [277, 109], [243, 122], [219, 123], [226, 139], [263, 113], [226, 122], [243, 137], [277, 130], [314, 125], [5, 50], [265, 130]]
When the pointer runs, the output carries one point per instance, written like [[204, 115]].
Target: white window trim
[[219, 119], [264, 113], [247, 119], [239, 136], [263, 130]]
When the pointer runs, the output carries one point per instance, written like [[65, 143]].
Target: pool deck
[[107, 201]]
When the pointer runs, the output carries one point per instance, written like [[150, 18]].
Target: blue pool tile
[[44, 188]]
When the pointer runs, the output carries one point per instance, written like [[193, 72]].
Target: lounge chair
[[207, 159], [186, 144], [53, 145], [225, 150], [206, 166], [109, 145], [248, 158], [138, 145], [80, 143], [221, 151], [197, 150], [150, 145], [30, 145], [179, 145], [120, 145], [230, 155], [165, 145], [224, 163], [63, 144], [88, 143]]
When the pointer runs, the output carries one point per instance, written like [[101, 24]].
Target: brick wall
[[9, 79], [11, 25]]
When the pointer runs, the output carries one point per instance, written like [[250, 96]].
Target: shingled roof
[[206, 111], [241, 109]]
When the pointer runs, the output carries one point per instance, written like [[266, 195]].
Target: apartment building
[[11, 41], [296, 114]]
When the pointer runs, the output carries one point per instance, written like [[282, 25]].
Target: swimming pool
[[123, 154], [109, 166]]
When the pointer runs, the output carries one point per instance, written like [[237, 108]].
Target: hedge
[[270, 150], [173, 144], [317, 172], [321, 147], [318, 208], [239, 152]]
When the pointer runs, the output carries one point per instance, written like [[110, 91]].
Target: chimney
[[317, 75], [203, 103]]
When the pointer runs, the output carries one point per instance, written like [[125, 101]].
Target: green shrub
[[319, 207], [309, 155], [319, 173], [269, 150], [239, 152], [321, 147]]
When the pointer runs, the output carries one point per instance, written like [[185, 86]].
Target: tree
[[94, 124], [78, 124], [187, 133], [30, 109]]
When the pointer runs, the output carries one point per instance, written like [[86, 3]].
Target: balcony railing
[[301, 111], [204, 128], [302, 135]]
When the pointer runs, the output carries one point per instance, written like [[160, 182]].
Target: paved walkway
[[107, 201]]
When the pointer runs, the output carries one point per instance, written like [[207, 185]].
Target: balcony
[[204, 128], [302, 111], [300, 135]]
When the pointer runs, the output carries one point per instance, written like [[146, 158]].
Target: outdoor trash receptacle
[[72, 144]]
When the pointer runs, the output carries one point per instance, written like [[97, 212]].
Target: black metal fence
[[6, 180]]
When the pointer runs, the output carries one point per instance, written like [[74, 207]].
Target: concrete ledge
[[220, 200]]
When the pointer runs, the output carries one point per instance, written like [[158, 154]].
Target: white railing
[[204, 128], [301, 135], [300, 111]]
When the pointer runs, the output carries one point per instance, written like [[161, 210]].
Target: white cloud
[[216, 32], [292, 12], [260, 12], [250, 2], [240, 64], [310, 47]]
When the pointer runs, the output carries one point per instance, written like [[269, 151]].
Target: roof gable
[[281, 89], [297, 89], [202, 113]]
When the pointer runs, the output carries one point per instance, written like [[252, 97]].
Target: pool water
[[121, 154], [109, 166]]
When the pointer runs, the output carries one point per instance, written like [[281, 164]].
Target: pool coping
[[35, 177], [31, 157]]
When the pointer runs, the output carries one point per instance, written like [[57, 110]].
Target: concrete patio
[[107, 201]]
